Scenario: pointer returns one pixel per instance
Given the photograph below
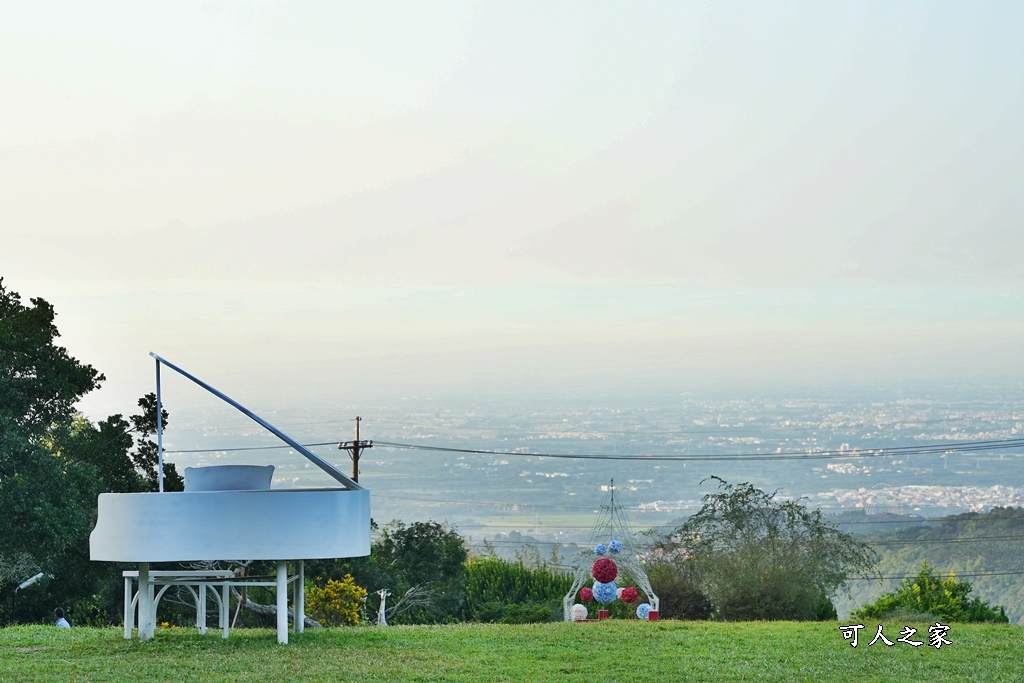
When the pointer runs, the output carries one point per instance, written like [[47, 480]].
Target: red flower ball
[[629, 595], [604, 571], [586, 595]]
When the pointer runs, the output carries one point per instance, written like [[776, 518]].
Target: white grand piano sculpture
[[228, 512]]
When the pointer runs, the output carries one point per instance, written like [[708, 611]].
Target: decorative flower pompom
[[600, 549], [604, 570], [615, 547], [586, 595], [604, 592], [578, 612], [642, 610], [629, 595]]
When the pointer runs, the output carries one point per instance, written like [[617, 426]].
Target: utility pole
[[353, 447]]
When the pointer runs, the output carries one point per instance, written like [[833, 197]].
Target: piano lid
[[309, 455]]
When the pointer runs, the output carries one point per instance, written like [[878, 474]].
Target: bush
[[338, 603], [510, 592], [678, 593], [531, 612], [93, 611], [762, 558], [927, 594], [775, 599]]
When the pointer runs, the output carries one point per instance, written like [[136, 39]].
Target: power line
[[944, 541], [493, 503], [246, 448], [924, 449], [908, 542], [920, 520], [949, 447], [966, 575]]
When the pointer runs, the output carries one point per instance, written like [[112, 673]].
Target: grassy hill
[[610, 650]]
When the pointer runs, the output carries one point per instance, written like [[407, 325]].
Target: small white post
[[282, 602], [299, 598]]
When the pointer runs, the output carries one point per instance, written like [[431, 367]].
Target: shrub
[[338, 603], [510, 592], [758, 557], [927, 594], [678, 593]]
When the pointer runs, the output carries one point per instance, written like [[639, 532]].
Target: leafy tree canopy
[[423, 565], [39, 381], [758, 557], [54, 463]]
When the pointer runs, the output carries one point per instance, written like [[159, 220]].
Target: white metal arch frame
[[611, 524]]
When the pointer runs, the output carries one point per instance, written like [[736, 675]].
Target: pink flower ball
[[629, 595], [586, 595]]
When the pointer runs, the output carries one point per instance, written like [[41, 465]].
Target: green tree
[[39, 381], [42, 509], [762, 558], [423, 565], [54, 463], [121, 453], [928, 597]]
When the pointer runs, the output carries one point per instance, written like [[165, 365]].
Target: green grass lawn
[[611, 650]]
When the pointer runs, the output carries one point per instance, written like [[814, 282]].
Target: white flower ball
[[578, 612]]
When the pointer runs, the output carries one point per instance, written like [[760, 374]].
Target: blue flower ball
[[605, 592], [615, 546], [600, 549], [642, 610]]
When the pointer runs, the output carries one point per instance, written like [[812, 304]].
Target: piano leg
[[129, 609], [147, 620], [201, 610], [282, 602], [225, 611], [299, 598]]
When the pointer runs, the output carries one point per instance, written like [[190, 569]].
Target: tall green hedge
[[511, 592]]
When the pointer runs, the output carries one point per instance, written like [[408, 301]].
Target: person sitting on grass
[[61, 621]]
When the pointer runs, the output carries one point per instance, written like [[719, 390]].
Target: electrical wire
[[966, 575], [924, 449], [908, 542], [247, 448], [949, 447]]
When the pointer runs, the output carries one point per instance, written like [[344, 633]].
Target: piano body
[[229, 512]]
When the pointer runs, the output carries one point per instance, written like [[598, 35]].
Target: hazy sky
[[463, 195]]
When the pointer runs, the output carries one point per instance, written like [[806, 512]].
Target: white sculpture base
[[147, 598]]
